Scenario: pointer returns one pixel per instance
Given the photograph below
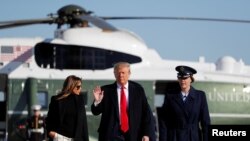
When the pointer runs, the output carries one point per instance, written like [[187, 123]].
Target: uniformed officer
[[36, 125], [185, 109]]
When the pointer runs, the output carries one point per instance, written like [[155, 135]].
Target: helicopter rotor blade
[[177, 18], [16, 23]]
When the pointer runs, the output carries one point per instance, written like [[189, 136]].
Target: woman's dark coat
[[67, 117]]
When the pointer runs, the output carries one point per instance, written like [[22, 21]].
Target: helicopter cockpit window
[[57, 56]]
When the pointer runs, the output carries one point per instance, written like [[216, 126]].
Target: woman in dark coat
[[186, 110], [66, 119]]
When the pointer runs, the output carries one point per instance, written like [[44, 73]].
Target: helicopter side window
[[42, 97], [7, 49], [57, 56]]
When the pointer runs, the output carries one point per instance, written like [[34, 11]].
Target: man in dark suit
[[139, 122], [186, 110]]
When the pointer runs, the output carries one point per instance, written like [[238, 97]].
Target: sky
[[172, 39]]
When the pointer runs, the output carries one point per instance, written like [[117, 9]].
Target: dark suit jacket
[[182, 119], [68, 117], [140, 115]]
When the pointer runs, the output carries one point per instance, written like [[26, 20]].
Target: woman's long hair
[[68, 86]]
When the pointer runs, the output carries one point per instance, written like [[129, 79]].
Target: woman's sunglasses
[[78, 87]]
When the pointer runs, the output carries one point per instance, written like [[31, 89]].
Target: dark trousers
[[36, 137], [122, 136]]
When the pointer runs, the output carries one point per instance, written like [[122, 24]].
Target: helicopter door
[[3, 106]]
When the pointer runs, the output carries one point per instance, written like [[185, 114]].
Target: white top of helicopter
[[120, 40], [152, 67]]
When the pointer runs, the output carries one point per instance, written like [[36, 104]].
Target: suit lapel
[[114, 97], [132, 104], [79, 103], [179, 101], [189, 105], [60, 109], [131, 99]]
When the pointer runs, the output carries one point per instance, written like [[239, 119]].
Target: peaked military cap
[[185, 71], [36, 107]]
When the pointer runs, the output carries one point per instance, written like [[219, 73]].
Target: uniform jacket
[[182, 119], [139, 112], [37, 124], [60, 119]]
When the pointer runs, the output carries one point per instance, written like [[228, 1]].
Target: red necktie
[[124, 116]]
